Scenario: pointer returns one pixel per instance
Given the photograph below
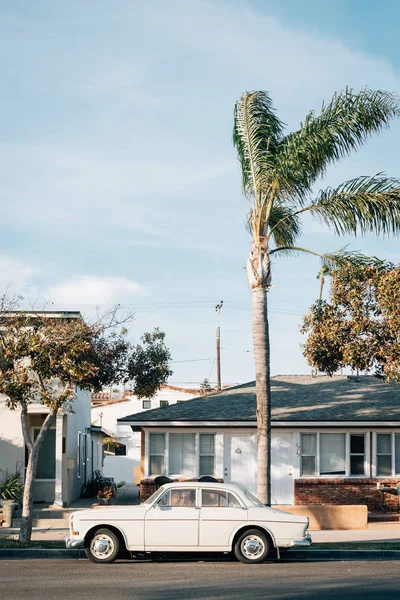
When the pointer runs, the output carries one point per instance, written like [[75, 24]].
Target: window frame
[[167, 433], [393, 453], [146, 402], [164, 455], [200, 454], [79, 455], [348, 454]]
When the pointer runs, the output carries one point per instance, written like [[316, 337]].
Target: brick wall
[[345, 491]]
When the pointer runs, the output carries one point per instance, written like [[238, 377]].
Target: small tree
[[205, 385], [360, 326], [43, 358]]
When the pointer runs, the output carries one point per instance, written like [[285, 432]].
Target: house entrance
[[240, 460], [282, 486]]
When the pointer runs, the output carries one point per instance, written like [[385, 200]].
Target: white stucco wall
[[11, 442], [106, 415]]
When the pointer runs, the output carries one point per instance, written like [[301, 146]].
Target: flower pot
[[8, 510], [104, 501]]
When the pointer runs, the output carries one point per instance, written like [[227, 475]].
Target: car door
[[173, 521], [221, 513]]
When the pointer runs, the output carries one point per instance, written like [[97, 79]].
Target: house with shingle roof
[[335, 440]]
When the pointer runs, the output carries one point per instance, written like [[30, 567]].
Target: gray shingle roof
[[294, 398]]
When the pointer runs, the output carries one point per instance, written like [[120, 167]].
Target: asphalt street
[[123, 580]]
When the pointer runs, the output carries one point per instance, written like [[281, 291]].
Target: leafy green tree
[[43, 357], [278, 175], [360, 326]]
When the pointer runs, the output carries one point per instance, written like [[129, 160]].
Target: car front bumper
[[301, 543], [73, 543]]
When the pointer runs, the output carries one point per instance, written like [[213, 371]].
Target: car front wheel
[[103, 547], [252, 546]]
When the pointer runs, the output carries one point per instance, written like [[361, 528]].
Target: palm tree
[[278, 172]]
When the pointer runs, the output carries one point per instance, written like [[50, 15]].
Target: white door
[[240, 460], [282, 486]]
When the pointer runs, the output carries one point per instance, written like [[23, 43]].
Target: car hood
[[274, 514]]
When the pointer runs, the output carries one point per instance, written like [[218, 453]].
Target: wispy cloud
[[90, 291], [15, 274]]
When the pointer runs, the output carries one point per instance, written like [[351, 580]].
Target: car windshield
[[253, 500]]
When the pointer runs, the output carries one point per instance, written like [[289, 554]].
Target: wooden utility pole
[[218, 309]]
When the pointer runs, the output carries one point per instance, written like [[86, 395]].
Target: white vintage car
[[189, 517]]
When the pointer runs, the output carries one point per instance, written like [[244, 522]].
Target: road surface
[[47, 579]]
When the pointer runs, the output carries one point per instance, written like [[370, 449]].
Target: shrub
[[11, 486]]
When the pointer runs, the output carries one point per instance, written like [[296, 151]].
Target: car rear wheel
[[252, 546], [103, 547]]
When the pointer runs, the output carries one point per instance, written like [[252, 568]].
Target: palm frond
[[333, 260], [343, 125], [362, 205], [256, 133], [285, 227]]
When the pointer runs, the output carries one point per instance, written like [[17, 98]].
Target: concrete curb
[[57, 553], [342, 555], [40, 553]]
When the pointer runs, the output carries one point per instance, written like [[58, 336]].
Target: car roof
[[204, 484]]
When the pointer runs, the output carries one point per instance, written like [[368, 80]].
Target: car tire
[[252, 547], [103, 547]]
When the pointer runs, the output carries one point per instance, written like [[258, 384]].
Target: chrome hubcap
[[253, 547], [101, 546]]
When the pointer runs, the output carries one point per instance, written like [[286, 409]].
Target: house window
[[157, 454], [182, 454], [357, 454], [332, 451], [164, 403], [79, 455], [146, 404], [308, 454], [46, 468], [120, 450], [332, 454], [207, 454], [384, 454]]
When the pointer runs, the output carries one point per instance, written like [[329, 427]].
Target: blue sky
[[119, 182]]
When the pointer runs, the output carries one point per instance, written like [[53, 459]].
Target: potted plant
[[11, 490], [105, 495]]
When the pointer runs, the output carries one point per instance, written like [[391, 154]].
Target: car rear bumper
[[73, 543]]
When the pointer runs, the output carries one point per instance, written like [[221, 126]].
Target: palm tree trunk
[[25, 531], [263, 392]]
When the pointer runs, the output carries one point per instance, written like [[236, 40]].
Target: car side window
[[217, 498], [179, 497]]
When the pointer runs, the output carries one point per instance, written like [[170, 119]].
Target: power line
[[190, 360]]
